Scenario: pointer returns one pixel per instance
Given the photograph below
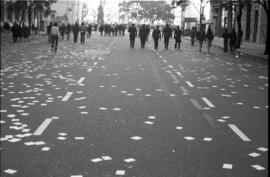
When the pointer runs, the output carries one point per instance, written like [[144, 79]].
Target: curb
[[238, 52]]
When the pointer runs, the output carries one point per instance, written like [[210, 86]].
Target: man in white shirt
[[54, 36]]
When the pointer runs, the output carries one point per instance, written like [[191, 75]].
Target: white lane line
[[239, 132], [196, 104], [67, 96], [183, 89], [43, 126], [81, 80], [189, 84], [208, 102]]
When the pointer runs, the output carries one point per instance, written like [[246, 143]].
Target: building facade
[[253, 20]]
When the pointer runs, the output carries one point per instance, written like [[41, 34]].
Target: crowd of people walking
[[21, 32]]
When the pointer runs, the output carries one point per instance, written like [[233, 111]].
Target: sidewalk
[[247, 48]]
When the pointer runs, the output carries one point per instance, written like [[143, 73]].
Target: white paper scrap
[[96, 160], [129, 160], [106, 158], [10, 171], [136, 138], [254, 154], [227, 166], [189, 138], [120, 172], [263, 149], [258, 167]]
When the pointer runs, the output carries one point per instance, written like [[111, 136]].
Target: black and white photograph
[[134, 88]]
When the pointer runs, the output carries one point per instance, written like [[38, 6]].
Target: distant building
[[253, 21], [66, 11], [34, 15]]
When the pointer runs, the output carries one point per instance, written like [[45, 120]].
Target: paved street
[[105, 110]]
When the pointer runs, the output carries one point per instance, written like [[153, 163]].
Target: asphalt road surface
[[105, 110]]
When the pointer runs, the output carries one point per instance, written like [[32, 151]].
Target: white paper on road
[[207, 139], [263, 149], [10, 171], [254, 154], [96, 160], [106, 158], [61, 138], [45, 148], [120, 172], [149, 122], [151, 117], [258, 167], [136, 138], [179, 128], [189, 138], [129, 160], [227, 166]]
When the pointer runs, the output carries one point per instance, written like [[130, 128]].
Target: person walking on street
[[143, 35], [49, 32], [201, 38], [101, 29], [83, 31], [192, 36], [89, 30], [225, 36], [209, 37], [68, 30], [14, 30], [62, 31], [156, 36], [167, 34], [76, 30], [233, 39], [132, 34], [177, 37], [55, 35], [25, 33]]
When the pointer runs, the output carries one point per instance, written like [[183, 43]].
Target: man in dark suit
[[177, 37], [167, 34], [132, 34], [156, 36]]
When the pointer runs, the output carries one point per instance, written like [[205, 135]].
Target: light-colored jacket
[[55, 31]]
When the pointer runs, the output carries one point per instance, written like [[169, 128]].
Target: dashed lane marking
[[67, 96], [239, 132], [196, 104], [183, 89], [189, 84], [42, 127], [81, 80], [208, 102]]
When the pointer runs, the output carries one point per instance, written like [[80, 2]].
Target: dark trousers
[[75, 37], [132, 41], [177, 44], [166, 42], [54, 42], [192, 41], [143, 42], [156, 43], [68, 35], [82, 38], [225, 42]]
